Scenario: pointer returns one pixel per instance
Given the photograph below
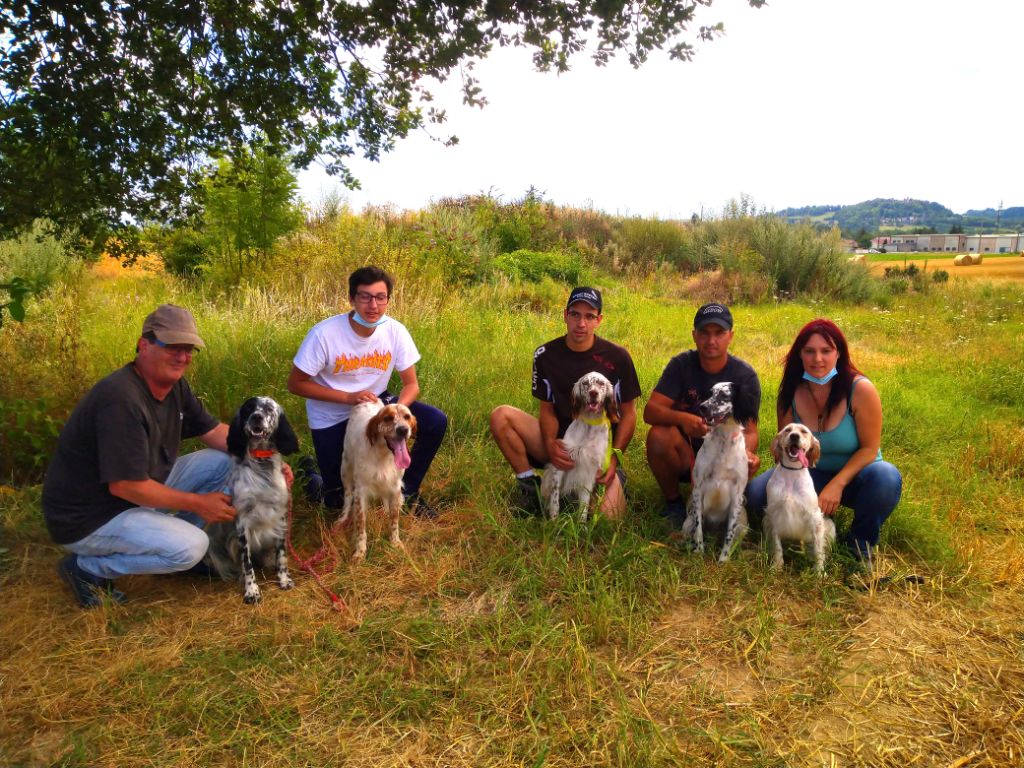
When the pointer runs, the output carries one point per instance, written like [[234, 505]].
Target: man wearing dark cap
[[677, 428], [529, 443], [116, 472]]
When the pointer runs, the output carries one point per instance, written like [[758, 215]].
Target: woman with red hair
[[822, 389]]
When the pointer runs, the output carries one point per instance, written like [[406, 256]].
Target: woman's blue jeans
[[872, 495]]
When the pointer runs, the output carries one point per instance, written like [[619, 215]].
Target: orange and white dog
[[793, 511], [374, 459]]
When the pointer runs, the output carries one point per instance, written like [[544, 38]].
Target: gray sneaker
[[526, 497]]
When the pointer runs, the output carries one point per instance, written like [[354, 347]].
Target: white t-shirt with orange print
[[335, 356]]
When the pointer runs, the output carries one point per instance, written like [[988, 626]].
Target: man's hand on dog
[[215, 507], [694, 425]]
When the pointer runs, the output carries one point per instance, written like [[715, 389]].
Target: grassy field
[[502, 642]]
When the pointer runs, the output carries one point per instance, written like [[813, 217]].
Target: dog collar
[[262, 454], [791, 469], [602, 421]]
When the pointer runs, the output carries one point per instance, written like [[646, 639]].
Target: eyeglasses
[[365, 298], [590, 317], [176, 349]]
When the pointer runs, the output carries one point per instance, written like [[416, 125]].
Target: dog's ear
[[373, 425], [413, 426], [815, 453], [611, 408], [285, 439], [777, 448], [237, 440], [743, 405], [575, 402]]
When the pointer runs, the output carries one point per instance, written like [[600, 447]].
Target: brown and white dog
[[792, 511], [375, 457], [587, 440]]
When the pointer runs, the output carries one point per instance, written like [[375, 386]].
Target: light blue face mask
[[824, 379], [366, 323]]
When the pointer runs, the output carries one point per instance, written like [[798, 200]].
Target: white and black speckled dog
[[257, 437], [587, 440], [720, 470], [792, 511]]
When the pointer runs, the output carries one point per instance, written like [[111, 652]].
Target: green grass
[[506, 642]]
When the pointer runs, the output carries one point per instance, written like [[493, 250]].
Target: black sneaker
[[674, 512], [526, 497], [89, 590], [312, 481], [415, 504]]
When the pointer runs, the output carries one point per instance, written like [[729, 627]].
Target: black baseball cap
[[713, 313], [591, 296]]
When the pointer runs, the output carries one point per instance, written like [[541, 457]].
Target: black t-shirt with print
[[556, 368], [687, 384], [118, 431]]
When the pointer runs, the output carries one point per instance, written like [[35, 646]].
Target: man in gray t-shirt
[[116, 471]]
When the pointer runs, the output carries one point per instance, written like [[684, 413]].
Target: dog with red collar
[[258, 436]]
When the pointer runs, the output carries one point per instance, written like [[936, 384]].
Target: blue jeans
[[329, 444], [872, 495], [146, 540]]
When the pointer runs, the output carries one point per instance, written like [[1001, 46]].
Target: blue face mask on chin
[[367, 324], [824, 379]]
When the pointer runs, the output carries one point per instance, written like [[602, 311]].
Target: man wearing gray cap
[[116, 472], [677, 428], [528, 443]]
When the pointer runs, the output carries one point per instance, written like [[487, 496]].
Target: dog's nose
[[402, 430]]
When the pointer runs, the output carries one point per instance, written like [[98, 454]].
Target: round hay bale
[[975, 258], [962, 260]]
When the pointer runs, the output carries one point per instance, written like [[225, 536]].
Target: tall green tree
[[249, 202], [108, 109]]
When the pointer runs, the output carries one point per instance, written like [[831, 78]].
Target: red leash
[[325, 557]]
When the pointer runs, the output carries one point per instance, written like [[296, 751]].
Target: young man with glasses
[[528, 443], [348, 359], [116, 472]]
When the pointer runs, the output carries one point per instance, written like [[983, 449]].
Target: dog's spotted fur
[[792, 511], [257, 437], [593, 400], [720, 472], [375, 457]]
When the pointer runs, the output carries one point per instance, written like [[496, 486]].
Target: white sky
[[802, 102]]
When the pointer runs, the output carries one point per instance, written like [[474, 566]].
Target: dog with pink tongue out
[[792, 512], [374, 460]]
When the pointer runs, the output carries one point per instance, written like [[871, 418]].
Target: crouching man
[[116, 473]]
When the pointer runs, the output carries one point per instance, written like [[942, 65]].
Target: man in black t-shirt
[[529, 443], [677, 429], [116, 471]]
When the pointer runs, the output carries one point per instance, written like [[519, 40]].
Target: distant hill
[[873, 215]]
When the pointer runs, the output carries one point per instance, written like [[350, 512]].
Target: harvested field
[[991, 268]]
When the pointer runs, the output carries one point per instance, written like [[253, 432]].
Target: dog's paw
[[286, 583], [252, 597], [358, 557]]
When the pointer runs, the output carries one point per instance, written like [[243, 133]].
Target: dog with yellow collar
[[588, 441]]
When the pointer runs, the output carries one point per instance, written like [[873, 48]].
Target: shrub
[[534, 266], [647, 243], [940, 276], [184, 252]]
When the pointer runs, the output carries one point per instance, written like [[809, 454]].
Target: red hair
[[793, 368]]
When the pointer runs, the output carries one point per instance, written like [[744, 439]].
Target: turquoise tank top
[[839, 443]]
